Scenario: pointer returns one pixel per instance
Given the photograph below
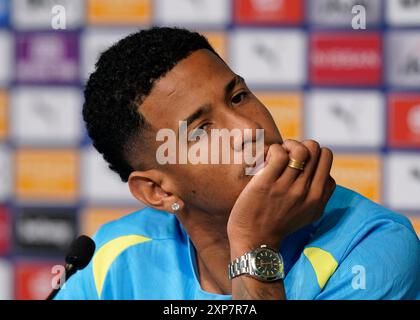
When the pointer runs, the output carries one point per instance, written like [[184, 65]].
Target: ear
[[146, 186]]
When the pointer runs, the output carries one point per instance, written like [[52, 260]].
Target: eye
[[204, 126], [199, 131], [239, 98]]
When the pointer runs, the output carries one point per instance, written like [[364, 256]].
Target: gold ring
[[296, 164]]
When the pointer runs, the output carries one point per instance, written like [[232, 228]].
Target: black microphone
[[78, 257]]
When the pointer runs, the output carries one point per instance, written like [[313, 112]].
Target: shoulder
[[142, 229], [358, 234], [145, 224], [143, 233], [350, 217]]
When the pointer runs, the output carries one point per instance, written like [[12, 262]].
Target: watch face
[[267, 263]]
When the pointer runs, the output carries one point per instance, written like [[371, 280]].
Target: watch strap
[[239, 266]]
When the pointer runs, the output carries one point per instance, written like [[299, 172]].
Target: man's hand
[[279, 199], [276, 202]]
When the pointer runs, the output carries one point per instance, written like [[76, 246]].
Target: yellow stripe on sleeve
[[322, 262], [106, 255]]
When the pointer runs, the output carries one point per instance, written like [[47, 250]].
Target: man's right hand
[[280, 199]]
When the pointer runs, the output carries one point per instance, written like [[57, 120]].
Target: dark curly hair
[[124, 76]]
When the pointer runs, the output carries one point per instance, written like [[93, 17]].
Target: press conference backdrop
[[356, 91]]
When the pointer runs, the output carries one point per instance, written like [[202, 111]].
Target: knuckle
[[277, 191], [315, 196], [327, 152], [261, 190], [312, 144], [275, 149], [302, 151], [288, 141], [277, 152], [295, 193], [283, 157], [261, 187]]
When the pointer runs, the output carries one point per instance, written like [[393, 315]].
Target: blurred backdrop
[[356, 91]]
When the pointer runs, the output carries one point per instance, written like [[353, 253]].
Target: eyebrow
[[197, 114], [237, 79], [206, 108]]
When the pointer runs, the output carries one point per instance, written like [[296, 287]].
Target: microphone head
[[80, 252]]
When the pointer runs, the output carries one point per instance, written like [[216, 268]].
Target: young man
[[211, 231]]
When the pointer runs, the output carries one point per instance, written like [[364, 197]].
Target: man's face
[[203, 89]]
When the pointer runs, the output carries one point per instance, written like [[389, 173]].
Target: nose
[[251, 130]]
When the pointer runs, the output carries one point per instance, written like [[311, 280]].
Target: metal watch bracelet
[[239, 266]]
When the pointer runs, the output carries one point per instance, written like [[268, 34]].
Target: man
[[210, 231]]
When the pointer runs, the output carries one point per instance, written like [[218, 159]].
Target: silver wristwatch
[[262, 263]]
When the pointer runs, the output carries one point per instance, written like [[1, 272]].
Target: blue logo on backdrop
[[4, 13]]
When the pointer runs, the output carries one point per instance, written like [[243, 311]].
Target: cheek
[[272, 133], [259, 113], [212, 187], [266, 116]]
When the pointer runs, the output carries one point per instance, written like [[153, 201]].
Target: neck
[[208, 234]]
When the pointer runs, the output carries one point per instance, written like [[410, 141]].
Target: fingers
[[321, 176], [328, 191], [304, 179], [311, 181], [322, 171], [277, 159], [298, 152]]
